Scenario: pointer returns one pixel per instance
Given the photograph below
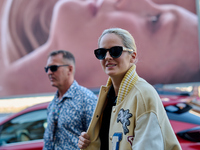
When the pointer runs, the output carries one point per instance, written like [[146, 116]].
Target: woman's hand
[[84, 140]]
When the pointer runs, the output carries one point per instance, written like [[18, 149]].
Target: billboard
[[166, 35]]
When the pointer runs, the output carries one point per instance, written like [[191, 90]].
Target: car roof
[[29, 109]]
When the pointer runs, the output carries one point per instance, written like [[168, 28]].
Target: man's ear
[[71, 69]]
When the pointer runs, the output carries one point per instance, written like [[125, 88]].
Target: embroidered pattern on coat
[[130, 139], [123, 117], [117, 137]]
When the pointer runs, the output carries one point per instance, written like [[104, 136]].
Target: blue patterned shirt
[[68, 117]]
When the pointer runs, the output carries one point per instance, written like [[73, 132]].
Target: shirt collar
[[70, 92]]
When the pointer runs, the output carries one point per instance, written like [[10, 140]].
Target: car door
[[24, 132]]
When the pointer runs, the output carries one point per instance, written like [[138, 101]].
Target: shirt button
[[114, 110], [111, 138]]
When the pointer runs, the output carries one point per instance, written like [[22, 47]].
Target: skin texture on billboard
[[166, 35]]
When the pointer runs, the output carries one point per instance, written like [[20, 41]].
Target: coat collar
[[127, 83]]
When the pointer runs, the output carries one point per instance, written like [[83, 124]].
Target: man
[[70, 112]]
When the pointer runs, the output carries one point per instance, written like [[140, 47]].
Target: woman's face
[[115, 67], [166, 35]]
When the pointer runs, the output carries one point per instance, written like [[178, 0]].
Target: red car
[[24, 130]]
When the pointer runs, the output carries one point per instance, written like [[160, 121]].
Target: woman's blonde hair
[[127, 39]]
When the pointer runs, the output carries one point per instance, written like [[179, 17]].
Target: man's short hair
[[66, 55]]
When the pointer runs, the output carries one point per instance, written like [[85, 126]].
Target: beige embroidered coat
[[139, 122]]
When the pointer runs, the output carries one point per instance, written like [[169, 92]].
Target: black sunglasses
[[53, 68], [115, 52]]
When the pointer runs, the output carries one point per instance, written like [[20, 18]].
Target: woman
[[129, 109], [166, 34]]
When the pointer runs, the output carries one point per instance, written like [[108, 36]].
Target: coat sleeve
[[148, 135]]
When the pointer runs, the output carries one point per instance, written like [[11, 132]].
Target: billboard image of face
[[166, 35]]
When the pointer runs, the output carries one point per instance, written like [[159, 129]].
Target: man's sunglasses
[[115, 52], [53, 68]]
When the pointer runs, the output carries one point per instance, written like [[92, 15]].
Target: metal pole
[[198, 14]]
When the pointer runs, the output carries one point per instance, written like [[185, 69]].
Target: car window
[[183, 112], [26, 127]]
